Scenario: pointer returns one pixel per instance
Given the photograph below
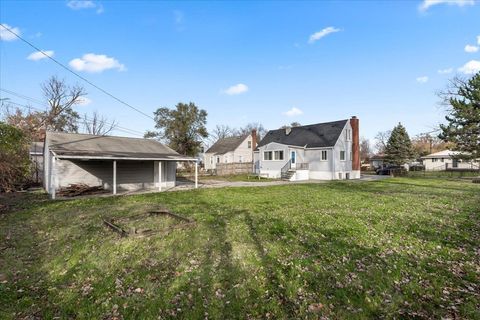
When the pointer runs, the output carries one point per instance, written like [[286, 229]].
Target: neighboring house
[[230, 150], [122, 163], [36, 157], [447, 160], [377, 161], [324, 151]]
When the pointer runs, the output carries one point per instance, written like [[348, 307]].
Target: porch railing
[[286, 167]]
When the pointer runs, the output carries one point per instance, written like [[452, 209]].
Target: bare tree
[[381, 140], [220, 132], [247, 129], [365, 150], [61, 98], [98, 125], [291, 125]]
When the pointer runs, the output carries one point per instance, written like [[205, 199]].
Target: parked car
[[391, 170]]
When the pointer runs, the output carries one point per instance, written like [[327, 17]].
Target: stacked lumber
[[80, 189]]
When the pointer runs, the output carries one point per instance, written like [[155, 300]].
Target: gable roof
[[225, 145], [318, 135], [444, 154], [87, 146]]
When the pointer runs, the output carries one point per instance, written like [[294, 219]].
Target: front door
[[293, 158], [455, 163]]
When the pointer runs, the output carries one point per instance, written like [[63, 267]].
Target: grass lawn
[[397, 248]]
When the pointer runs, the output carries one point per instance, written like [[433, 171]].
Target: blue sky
[[267, 62]]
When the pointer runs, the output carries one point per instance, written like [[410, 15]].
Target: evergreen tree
[[463, 127], [399, 147]]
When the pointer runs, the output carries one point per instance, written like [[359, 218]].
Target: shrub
[[14, 160]]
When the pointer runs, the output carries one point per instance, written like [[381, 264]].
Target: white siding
[[242, 151]]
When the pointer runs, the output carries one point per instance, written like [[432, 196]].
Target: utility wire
[[41, 103], [116, 127], [76, 74]]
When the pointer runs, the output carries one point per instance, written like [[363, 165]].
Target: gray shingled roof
[[311, 136], [225, 145], [110, 147]]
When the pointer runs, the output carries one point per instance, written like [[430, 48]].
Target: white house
[[121, 163], [447, 160], [230, 150], [324, 151]]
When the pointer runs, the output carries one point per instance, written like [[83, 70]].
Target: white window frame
[[273, 155], [249, 144], [240, 158], [218, 159], [344, 155], [264, 152], [326, 155], [340, 176]]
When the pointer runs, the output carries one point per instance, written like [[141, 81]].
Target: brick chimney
[[355, 144], [254, 139]]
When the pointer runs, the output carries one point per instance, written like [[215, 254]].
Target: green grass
[[397, 248]]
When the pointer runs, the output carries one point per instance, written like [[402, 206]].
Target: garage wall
[[131, 175]]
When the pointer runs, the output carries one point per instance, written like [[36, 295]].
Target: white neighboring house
[[323, 151], [447, 160], [230, 150]]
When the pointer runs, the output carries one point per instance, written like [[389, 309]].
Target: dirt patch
[[160, 221]]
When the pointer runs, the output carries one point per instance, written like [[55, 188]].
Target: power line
[[76, 74], [42, 103], [116, 127]]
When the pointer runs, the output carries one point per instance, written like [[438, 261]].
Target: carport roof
[[86, 146]]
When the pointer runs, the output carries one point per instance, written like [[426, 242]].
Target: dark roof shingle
[[318, 135], [225, 145]]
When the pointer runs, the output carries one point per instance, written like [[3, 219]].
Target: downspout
[[333, 163]]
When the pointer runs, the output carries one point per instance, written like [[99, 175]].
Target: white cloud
[[422, 79], [95, 63], [35, 56], [471, 67], [320, 34], [293, 112], [427, 4], [470, 48], [236, 89], [6, 35], [445, 71], [84, 101], [85, 4]]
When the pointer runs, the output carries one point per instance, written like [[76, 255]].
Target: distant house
[[447, 160], [325, 151], [230, 150], [377, 161], [126, 164], [36, 157]]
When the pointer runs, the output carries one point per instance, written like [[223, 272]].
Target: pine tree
[[399, 147], [463, 127]]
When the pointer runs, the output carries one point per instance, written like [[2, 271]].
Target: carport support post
[[114, 176], [196, 174], [159, 175]]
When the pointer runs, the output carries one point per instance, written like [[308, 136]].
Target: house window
[[347, 175], [348, 134], [340, 176], [268, 155], [279, 155], [434, 160], [324, 155], [342, 155], [225, 159], [240, 159], [249, 144], [442, 160], [218, 159]]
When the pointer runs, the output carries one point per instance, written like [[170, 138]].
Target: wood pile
[[80, 189]]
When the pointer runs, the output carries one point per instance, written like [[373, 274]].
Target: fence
[[228, 169]]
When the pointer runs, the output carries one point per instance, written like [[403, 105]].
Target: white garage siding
[[131, 175]]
